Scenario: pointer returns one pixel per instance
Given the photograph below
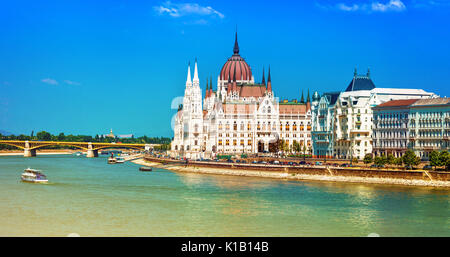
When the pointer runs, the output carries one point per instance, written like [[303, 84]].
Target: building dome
[[236, 64]]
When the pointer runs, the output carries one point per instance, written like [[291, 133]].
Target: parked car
[[243, 161], [254, 162], [345, 165], [319, 163], [276, 162], [374, 166], [231, 161], [427, 167], [302, 163]]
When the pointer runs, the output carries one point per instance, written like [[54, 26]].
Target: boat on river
[[145, 168], [120, 160], [33, 176]]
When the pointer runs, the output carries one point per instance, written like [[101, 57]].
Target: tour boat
[[112, 160], [33, 176], [120, 160], [145, 168]]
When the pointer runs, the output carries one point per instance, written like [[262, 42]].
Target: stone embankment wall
[[317, 170]]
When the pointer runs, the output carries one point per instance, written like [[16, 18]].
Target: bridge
[[30, 147]]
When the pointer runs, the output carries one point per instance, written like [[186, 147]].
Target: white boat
[[120, 160], [33, 176]]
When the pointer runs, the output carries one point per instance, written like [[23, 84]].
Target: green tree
[[368, 158], [44, 136], [390, 159], [380, 160], [435, 159], [398, 161], [61, 137], [444, 158], [410, 158]]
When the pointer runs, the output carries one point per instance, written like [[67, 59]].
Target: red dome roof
[[238, 64]]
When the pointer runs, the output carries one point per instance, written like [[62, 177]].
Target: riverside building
[[344, 130], [240, 117], [422, 125]]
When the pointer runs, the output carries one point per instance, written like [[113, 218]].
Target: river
[[88, 197]]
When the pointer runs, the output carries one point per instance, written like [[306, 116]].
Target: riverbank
[[304, 174]]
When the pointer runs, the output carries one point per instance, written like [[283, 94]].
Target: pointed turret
[[302, 100], [308, 102], [195, 80], [188, 79], [368, 72], [269, 82], [263, 78], [355, 72], [207, 89], [210, 86], [236, 45]]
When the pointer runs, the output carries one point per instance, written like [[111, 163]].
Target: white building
[[241, 116], [350, 120]]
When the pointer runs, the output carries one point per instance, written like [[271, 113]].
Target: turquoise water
[[88, 197]]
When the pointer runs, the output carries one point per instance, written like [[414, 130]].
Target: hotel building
[[422, 125], [348, 119]]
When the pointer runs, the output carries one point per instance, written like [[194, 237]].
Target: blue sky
[[84, 67]]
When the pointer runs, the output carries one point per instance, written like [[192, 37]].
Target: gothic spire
[[236, 45], [307, 98], [268, 79], [263, 78], [302, 100], [195, 71], [188, 79]]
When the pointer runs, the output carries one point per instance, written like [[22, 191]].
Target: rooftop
[[432, 101], [394, 103]]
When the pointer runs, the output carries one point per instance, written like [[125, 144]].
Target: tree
[[44, 136], [398, 161], [355, 160], [444, 158], [61, 137], [410, 158], [435, 159], [380, 160], [368, 158], [390, 159]]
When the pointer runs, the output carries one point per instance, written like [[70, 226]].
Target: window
[[220, 141], [249, 142], [234, 142], [242, 142], [227, 142]]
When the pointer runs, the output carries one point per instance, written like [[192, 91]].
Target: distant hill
[[5, 133]]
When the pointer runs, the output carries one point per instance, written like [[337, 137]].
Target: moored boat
[[120, 160], [33, 176], [145, 168]]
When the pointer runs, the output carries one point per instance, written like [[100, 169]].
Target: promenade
[[316, 173]]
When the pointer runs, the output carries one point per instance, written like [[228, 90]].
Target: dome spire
[[236, 45]]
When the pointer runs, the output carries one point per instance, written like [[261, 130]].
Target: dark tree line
[[46, 136]]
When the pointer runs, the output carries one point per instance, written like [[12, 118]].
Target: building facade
[[349, 120], [241, 116]]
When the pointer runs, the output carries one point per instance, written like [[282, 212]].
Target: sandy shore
[[295, 176]]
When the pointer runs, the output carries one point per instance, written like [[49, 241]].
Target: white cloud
[[50, 81], [186, 9], [393, 5], [375, 6], [72, 82]]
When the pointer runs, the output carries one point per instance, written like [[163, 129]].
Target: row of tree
[[46, 136], [409, 159]]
